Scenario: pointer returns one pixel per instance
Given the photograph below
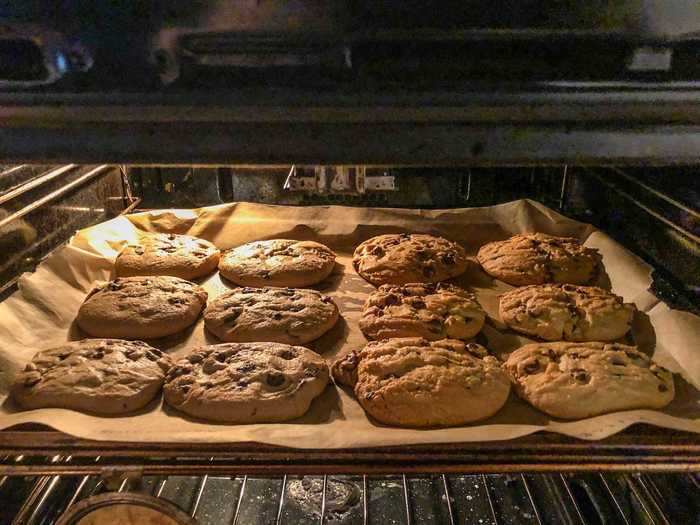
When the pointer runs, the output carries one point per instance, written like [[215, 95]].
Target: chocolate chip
[[114, 286], [138, 250], [326, 299], [265, 274], [195, 358], [617, 362], [580, 375], [287, 292], [553, 355], [176, 300], [32, 380], [422, 255], [97, 355], [277, 316], [532, 368], [663, 387], [242, 383], [369, 395], [185, 388], [391, 300], [435, 325], [274, 379], [171, 236], [231, 317], [428, 271], [287, 354], [169, 249], [418, 304], [247, 368], [448, 258], [220, 357], [568, 288], [310, 372], [378, 251], [404, 236], [296, 308]]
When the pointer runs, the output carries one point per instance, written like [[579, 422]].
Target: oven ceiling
[[411, 83]]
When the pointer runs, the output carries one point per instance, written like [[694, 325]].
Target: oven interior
[[652, 210]]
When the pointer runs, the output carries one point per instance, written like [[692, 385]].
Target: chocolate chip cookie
[[413, 382], [565, 312], [102, 376], [429, 310], [167, 254], [578, 380], [246, 382], [537, 258], [280, 315], [278, 262], [408, 258], [141, 307]]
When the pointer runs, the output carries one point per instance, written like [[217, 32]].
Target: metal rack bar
[[488, 497], [652, 491], [448, 499], [200, 491], [54, 195], [614, 499], [240, 499], [646, 500], [278, 520], [406, 501], [532, 500], [35, 182], [572, 498], [365, 514], [323, 499], [161, 487]]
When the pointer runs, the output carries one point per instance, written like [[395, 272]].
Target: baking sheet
[[41, 313]]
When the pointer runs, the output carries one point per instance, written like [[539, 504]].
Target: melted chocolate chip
[[274, 379], [326, 299], [264, 274], [391, 300], [418, 304], [286, 354], [378, 251], [195, 358], [617, 362], [580, 375], [184, 388], [220, 357], [231, 318], [663, 387], [369, 395], [114, 286], [277, 316]]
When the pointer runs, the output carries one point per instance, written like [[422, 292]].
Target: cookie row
[[230, 382]]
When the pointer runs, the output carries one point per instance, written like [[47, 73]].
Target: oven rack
[[488, 499]]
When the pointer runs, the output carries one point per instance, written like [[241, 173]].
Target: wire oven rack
[[488, 499]]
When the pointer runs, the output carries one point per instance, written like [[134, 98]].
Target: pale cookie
[[102, 376], [278, 262], [280, 315], [537, 258], [246, 382], [413, 382], [432, 311], [408, 258], [141, 307], [167, 254], [565, 312], [578, 380]]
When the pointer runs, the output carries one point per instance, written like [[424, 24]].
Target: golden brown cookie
[[167, 254], [141, 307], [401, 258], [413, 382], [578, 380], [281, 315], [537, 258], [430, 310], [246, 382], [278, 262], [102, 376], [566, 312]]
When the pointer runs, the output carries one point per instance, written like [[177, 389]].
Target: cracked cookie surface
[[566, 312], [102, 376], [578, 380], [537, 258], [282, 315], [432, 311], [413, 382], [141, 307], [402, 258], [246, 382], [278, 262], [181, 256]]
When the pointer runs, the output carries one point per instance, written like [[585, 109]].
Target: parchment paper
[[41, 313]]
